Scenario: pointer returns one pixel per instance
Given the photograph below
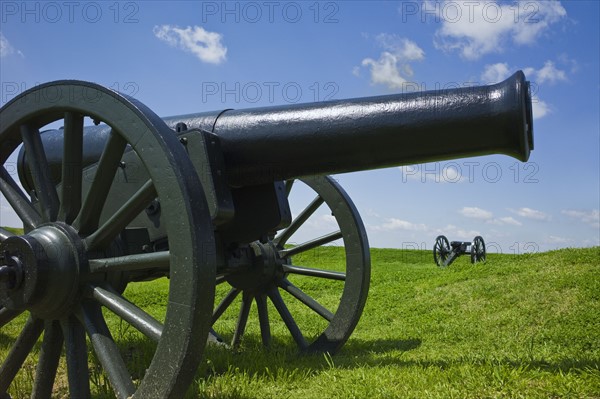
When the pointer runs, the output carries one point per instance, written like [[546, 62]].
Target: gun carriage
[[203, 200], [444, 252]]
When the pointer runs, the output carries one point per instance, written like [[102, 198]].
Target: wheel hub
[[265, 267], [41, 271]]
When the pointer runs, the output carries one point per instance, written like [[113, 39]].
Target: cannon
[[199, 204], [444, 252]]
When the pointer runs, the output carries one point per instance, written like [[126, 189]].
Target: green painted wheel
[[61, 283], [307, 293], [441, 250]]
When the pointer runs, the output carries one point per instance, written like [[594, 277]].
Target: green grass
[[517, 327], [525, 326], [14, 230]]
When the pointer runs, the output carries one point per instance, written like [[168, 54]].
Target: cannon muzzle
[[268, 144]]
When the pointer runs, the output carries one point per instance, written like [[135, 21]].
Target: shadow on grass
[[388, 352], [379, 346], [284, 361], [6, 341], [376, 353], [284, 357]]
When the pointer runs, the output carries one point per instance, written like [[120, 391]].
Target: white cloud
[[559, 240], [457, 233], [535, 17], [495, 73], [205, 45], [452, 174], [393, 67], [539, 108], [509, 220], [476, 213], [571, 63], [6, 48], [534, 214], [488, 217], [478, 28], [372, 213], [385, 71], [397, 224], [400, 46], [321, 222], [547, 74], [591, 218]]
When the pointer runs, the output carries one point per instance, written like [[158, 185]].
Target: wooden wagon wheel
[[441, 250], [65, 273], [299, 289], [478, 250]]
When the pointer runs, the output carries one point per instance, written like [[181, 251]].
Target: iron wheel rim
[[191, 289]]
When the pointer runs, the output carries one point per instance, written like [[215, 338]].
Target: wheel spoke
[[7, 315], [307, 271], [129, 312], [4, 234], [122, 217], [317, 242], [263, 319], [107, 351], [287, 318], [17, 200], [222, 307], [242, 320], [77, 354], [285, 235], [72, 168], [306, 299], [129, 263], [89, 215], [40, 172], [48, 361], [19, 351]]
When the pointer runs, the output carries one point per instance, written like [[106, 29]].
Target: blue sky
[[182, 57]]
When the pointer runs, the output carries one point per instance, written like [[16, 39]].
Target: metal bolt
[[122, 164], [6, 273], [153, 208], [11, 273], [181, 127], [183, 140]]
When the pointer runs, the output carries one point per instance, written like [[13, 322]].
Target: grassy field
[[524, 326]]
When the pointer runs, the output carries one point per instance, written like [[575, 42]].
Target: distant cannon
[[444, 253], [203, 201]]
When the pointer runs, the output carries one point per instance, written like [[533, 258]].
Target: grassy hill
[[524, 326], [519, 326]]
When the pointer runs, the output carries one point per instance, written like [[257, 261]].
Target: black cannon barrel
[[276, 143]]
